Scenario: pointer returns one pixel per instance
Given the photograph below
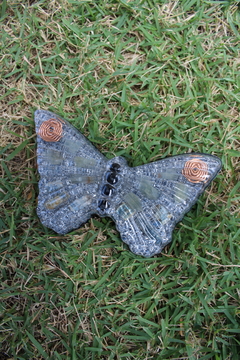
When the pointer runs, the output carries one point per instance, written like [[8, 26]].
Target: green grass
[[142, 79]]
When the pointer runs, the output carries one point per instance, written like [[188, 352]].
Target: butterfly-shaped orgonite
[[145, 201]]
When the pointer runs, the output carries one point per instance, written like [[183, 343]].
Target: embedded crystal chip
[[112, 178]]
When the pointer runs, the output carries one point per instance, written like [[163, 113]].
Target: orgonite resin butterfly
[[145, 201]]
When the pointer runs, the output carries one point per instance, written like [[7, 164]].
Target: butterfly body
[[145, 202]]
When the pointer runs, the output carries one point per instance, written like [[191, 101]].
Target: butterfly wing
[[70, 169], [157, 196]]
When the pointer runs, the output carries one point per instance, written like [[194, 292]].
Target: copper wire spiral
[[195, 171], [51, 130]]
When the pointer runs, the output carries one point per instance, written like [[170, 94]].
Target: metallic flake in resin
[[145, 201]]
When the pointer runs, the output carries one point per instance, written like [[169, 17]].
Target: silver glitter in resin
[[145, 202]]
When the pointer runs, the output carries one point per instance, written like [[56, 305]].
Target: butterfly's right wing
[[155, 196], [70, 169]]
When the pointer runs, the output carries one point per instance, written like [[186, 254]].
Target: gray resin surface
[[145, 201]]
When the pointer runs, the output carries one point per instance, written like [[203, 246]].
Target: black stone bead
[[103, 204], [115, 167], [107, 190], [112, 178]]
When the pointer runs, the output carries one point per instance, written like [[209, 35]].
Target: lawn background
[[142, 79]]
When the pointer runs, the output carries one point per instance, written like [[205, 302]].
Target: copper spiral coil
[[51, 130], [195, 171]]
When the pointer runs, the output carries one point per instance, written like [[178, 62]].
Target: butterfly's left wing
[[157, 195], [71, 169]]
